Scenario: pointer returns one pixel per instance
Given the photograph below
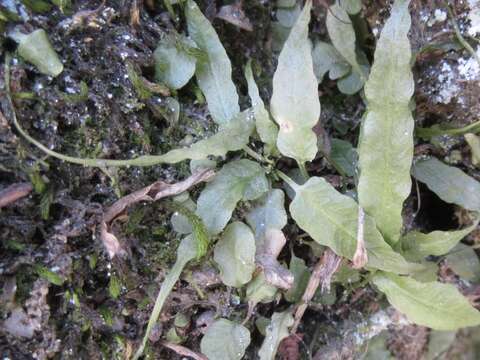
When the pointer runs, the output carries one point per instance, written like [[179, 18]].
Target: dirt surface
[[62, 297]]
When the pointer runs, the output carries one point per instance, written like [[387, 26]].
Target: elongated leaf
[[235, 254], [341, 32], [214, 74], [417, 245], [386, 139], [436, 305], [330, 218], [233, 136], [266, 128], [225, 340], [269, 213], [187, 250], [450, 184], [173, 66], [294, 104], [240, 179], [275, 333]]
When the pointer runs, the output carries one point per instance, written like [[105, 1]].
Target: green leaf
[[327, 59], [386, 139], [417, 245], [237, 180], [351, 6], [49, 275], [353, 82], [341, 32], [450, 184], [377, 349], [233, 136], [225, 340], [275, 333], [287, 16], [268, 213], [199, 230], [174, 67], [301, 274], [294, 104], [259, 290], [266, 128], [187, 250], [37, 49], [330, 218], [214, 74], [435, 305], [180, 222], [464, 262], [343, 156], [235, 254], [114, 287], [439, 343]]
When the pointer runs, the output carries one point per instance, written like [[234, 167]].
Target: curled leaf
[[153, 192], [266, 258], [387, 129], [294, 104]]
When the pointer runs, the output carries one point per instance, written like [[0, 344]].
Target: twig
[[14, 192], [182, 350], [322, 273], [460, 37]]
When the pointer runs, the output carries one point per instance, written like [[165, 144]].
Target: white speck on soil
[[448, 87], [469, 68], [474, 17]]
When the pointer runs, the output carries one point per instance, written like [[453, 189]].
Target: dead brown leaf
[[156, 191], [14, 192], [275, 273]]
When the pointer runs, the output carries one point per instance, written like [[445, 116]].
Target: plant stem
[[256, 155], [460, 37], [303, 170], [433, 131], [288, 180]]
